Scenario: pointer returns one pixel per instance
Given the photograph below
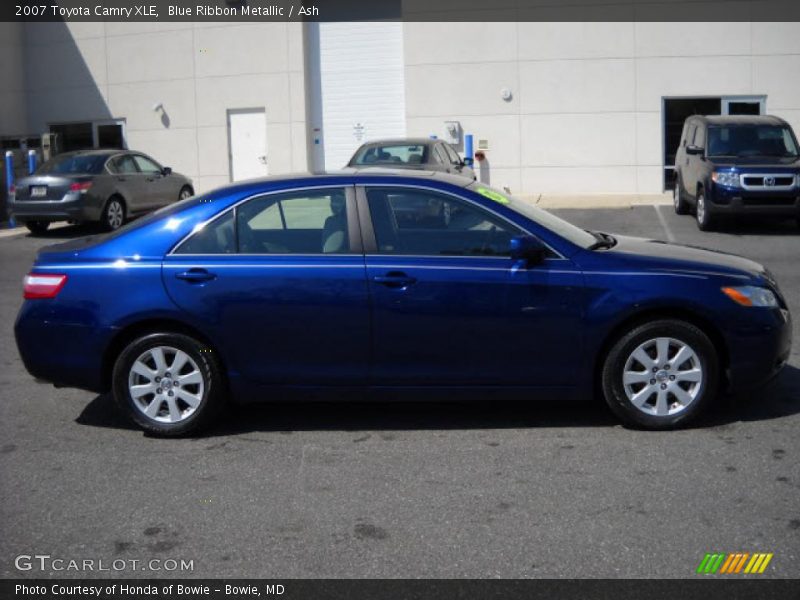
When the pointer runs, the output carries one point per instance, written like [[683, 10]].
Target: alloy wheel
[[115, 214], [166, 384], [701, 209], [662, 376]]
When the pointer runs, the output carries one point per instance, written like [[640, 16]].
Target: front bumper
[[741, 201], [759, 348], [74, 206]]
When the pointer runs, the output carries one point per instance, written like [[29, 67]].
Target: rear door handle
[[196, 275], [395, 279]]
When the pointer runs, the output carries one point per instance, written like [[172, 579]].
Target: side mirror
[[529, 249], [692, 149], [166, 171]]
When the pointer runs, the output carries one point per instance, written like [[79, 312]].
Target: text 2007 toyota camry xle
[[385, 280]]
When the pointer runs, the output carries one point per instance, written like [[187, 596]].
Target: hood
[[756, 161], [678, 257]]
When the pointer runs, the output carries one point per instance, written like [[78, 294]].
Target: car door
[[458, 165], [689, 172], [449, 305], [160, 189], [129, 182], [279, 284]]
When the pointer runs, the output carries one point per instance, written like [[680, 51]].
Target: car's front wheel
[[168, 383], [661, 374], [703, 213], [186, 192]]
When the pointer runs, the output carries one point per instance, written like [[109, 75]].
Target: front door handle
[[395, 279], [196, 276]]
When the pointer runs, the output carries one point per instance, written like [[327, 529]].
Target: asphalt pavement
[[351, 490]]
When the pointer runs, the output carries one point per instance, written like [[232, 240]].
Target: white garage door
[[362, 86]]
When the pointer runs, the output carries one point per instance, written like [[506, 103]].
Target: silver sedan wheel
[[184, 194], [166, 385], [115, 214], [662, 377], [676, 195]]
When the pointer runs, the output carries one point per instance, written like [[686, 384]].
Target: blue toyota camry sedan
[[377, 281]]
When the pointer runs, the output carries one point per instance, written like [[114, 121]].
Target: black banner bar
[[407, 10], [403, 589]]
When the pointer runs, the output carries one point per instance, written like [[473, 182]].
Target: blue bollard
[[468, 157], [10, 181], [31, 161]]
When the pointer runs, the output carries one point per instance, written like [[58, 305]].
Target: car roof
[[740, 119], [416, 141], [352, 176]]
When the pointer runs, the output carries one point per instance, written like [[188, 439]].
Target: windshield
[[751, 140], [391, 154], [576, 235], [74, 163]]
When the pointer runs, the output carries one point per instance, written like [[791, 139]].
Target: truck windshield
[[751, 140]]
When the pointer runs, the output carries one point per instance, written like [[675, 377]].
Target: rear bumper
[[72, 207], [740, 201], [63, 353]]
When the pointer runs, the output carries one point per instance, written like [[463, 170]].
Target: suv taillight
[[42, 286]]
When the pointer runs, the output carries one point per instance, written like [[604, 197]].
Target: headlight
[[751, 295], [726, 178]]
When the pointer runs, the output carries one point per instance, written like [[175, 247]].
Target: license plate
[[38, 191]]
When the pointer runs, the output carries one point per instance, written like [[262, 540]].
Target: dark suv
[[737, 165]]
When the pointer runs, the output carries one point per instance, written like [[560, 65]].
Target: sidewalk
[[598, 200]]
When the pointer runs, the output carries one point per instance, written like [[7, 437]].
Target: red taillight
[[80, 187], [43, 286], [12, 189]]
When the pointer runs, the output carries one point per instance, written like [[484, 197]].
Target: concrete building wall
[[197, 72], [12, 91], [586, 109]]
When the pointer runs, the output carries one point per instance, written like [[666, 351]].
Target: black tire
[[114, 214], [678, 199], [703, 215], [186, 192], [212, 397], [37, 227], [615, 365]]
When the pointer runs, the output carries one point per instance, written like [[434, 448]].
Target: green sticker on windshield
[[492, 195]]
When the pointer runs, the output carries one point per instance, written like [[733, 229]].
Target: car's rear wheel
[[186, 192], [113, 214], [678, 201], [661, 374], [703, 213], [37, 227], [168, 383]]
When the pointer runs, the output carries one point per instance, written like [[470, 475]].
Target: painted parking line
[[5, 233], [663, 221]]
